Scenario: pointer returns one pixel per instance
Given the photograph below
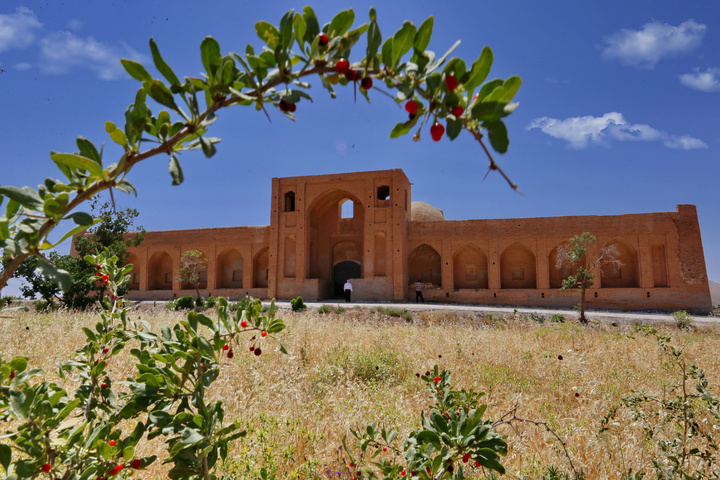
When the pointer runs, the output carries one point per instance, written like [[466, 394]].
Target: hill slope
[[715, 293]]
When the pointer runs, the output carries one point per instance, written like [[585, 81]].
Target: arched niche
[[624, 272], [229, 269], [202, 273], [261, 265], [135, 272], [517, 267], [424, 264], [160, 272], [470, 268], [561, 268]]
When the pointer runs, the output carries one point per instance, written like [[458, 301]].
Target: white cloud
[[645, 47], [581, 131], [63, 51], [23, 66], [707, 81], [17, 30]]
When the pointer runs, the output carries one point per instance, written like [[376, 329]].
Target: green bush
[[170, 305], [185, 303], [394, 312], [199, 304], [557, 318], [682, 319], [324, 309], [297, 304], [211, 302]]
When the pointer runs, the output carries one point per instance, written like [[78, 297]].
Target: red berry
[[466, 457], [97, 274], [428, 469], [105, 385], [451, 82], [136, 463], [46, 468], [384, 449], [243, 324], [342, 66], [437, 131], [293, 107], [12, 375], [457, 111], [226, 347], [351, 75], [402, 473], [437, 379], [119, 466], [106, 350], [114, 471], [263, 334], [366, 83], [112, 443], [104, 277], [97, 267], [252, 349], [411, 107], [258, 352], [284, 106], [323, 39], [477, 464], [230, 354]]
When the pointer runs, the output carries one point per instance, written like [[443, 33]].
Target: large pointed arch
[[559, 271], [134, 260], [261, 267]]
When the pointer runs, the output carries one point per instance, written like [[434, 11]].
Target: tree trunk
[[583, 320]]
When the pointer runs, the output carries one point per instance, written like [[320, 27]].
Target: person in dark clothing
[[348, 291], [418, 292]]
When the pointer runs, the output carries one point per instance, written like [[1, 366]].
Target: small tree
[[576, 253], [192, 263]]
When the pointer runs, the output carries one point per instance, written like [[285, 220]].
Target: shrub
[[211, 302], [170, 305], [297, 304], [682, 319], [536, 318], [557, 318], [393, 312], [185, 303], [323, 309], [199, 304]]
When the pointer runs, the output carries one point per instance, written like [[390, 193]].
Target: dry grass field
[[347, 370]]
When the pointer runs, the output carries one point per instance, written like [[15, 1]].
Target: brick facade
[[325, 229]]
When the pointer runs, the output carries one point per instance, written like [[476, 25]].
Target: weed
[[557, 318], [682, 319]]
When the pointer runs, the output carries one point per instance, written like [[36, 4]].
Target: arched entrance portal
[[341, 273]]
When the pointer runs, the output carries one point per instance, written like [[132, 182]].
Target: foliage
[[86, 436], [680, 423], [184, 303], [441, 88], [110, 234], [297, 304], [322, 309], [682, 319], [374, 365], [452, 441], [210, 302], [394, 312], [557, 318], [575, 253], [192, 263]]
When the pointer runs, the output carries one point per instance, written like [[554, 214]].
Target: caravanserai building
[[325, 229]]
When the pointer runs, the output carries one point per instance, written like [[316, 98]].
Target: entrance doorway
[[341, 273]]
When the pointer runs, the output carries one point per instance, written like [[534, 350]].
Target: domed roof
[[424, 212]]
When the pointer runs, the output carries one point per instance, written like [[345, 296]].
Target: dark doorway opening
[[341, 273]]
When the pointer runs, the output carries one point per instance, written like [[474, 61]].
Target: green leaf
[[479, 71], [59, 276], [454, 127], [74, 231], [116, 134], [78, 162], [175, 170], [5, 456], [341, 23], [191, 437], [128, 453], [498, 135], [374, 38], [125, 187], [163, 67], [422, 37], [312, 27], [268, 34], [136, 70], [88, 150], [161, 94], [402, 42], [299, 28], [437, 63], [81, 218], [403, 128], [25, 196], [210, 53], [286, 29]]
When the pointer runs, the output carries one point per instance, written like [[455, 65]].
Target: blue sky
[[619, 108]]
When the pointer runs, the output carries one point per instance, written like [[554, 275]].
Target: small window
[[347, 209], [383, 192], [290, 202]]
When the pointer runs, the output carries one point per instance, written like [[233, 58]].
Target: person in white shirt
[[418, 292], [348, 291]]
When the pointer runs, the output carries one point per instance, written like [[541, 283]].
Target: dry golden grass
[[298, 407]]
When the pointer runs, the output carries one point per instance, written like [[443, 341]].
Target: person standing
[[418, 292], [348, 291]]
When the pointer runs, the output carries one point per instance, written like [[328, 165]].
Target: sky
[[619, 110]]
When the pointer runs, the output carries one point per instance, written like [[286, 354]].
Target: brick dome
[[424, 212]]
